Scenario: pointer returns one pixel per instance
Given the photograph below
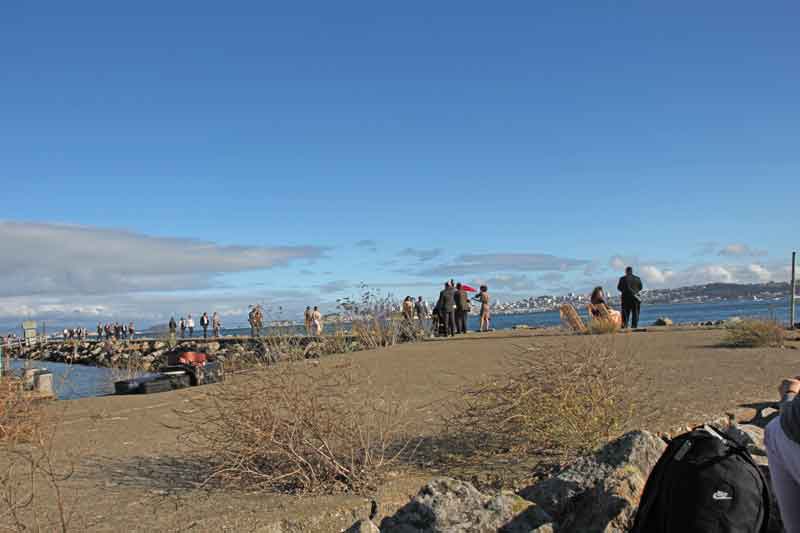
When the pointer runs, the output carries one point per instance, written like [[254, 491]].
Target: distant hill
[[719, 291]]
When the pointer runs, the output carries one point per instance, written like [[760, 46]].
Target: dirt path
[[135, 474]]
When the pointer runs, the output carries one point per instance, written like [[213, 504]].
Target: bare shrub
[[302, 429], [20, 415], [565, 401], [602, 326], [33, 496], [754, 333]]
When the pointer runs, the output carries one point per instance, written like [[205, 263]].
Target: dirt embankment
[[136, 474]]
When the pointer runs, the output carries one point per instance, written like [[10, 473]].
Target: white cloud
[[499, 262], [740, 250], [655, 275], [42, 259], [512, 282], [618, 262]]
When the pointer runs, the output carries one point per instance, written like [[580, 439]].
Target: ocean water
[[77, 381], [73, 381], [679, 313]]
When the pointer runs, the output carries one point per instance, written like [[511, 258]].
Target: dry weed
[[33, 496], [302, 429], [564, 401], [601, 326], [755, 333]]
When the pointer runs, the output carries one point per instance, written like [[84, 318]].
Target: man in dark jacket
[[447, 307], [629, 287], [462, 309]]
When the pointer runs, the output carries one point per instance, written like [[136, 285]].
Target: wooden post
[[793, 289]]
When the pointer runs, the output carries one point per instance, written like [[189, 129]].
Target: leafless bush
[[19, 414], [302, 429], [32, 492], [565, 401], [754, 333], [602, 326]]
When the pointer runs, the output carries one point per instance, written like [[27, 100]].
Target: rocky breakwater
[[150, 355]]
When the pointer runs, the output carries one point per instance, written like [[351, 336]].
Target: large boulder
[[663, 321], [600, 492], [452, 506]]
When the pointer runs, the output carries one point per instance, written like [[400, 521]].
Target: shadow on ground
[[153, 473]]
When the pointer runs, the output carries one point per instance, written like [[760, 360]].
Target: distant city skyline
[[161, 159]]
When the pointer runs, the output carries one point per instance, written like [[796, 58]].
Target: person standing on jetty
[[99, 331], [483, 298], [204, 324], [422, 313], [408, 309], [216, 323], [182, 324], [630, 286], [255, 318], [316, 321], [173, 328], [190, 325], [307, 319], [462, 309], [447, 308]]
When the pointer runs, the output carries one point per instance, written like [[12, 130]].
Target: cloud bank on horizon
[[66, 272]]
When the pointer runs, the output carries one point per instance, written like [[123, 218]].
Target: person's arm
[[788, 390], [619, 284]]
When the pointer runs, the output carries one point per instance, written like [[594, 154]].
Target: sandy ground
[[135, 473]]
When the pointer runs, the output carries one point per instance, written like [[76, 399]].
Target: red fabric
[[192, 358], [465, 287]]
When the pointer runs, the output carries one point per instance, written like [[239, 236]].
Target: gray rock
[[212, 347], [452, 506], [601, 489], [663, 321], [752, 437]]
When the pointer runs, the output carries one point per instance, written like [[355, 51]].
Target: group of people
[[312, 319], [110, 331], [629, 287], [453, 307], [188, 324], [75, 333]]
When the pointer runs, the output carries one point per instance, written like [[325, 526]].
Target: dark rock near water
[[663, 321]]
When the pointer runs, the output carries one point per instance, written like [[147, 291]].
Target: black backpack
[[705, 482]]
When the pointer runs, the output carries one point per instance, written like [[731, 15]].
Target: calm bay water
[[77, 381], [73, 381]]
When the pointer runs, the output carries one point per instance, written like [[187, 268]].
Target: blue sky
[[548, 143]]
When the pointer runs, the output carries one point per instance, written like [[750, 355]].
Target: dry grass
[[19, 414], [32, 480], [601, 326], [567, 402], [302, 429], [755, 333]]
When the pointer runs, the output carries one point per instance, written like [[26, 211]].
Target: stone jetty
[[151, 354]]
